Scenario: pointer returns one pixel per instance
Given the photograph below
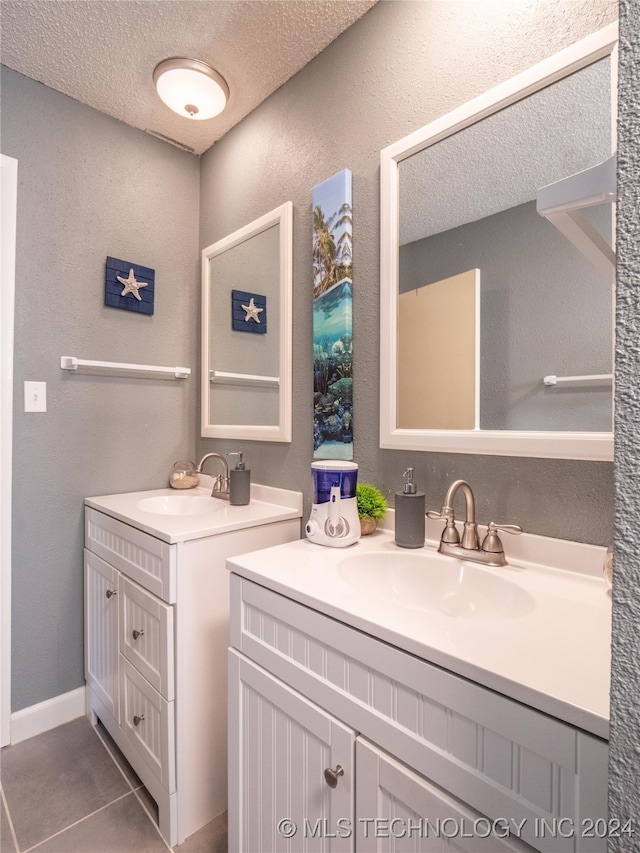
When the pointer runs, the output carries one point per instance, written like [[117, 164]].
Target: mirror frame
[[282, 216], [544, 444]]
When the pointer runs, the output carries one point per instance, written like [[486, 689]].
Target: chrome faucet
[[221, 481], [490, 552]]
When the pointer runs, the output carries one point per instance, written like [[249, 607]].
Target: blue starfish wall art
[[129, 286], [248, 312]]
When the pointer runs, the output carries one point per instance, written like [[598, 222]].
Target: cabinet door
[[101, 631], [280, 746], [397, 811]]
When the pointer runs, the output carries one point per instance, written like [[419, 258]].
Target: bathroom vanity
[[381, 700], [156, 634]]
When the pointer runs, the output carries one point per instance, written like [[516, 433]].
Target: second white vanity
[[386, 700], [156, 634]]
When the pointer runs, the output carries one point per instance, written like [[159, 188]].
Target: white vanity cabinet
[[156, 635], [417, 743]]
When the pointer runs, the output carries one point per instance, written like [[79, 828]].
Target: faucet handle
[[450, 533], [446, 513], [492, 543], [433, 513], [514, 529]]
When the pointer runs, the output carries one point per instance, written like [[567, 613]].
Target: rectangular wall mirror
[[512, 193], [246, 331]]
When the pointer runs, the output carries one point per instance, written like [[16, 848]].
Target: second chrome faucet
[[490, 552], [220, 481]]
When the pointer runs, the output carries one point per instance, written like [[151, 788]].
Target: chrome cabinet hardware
[[111, 592], [331, 776], [138, 719], [135, 633]]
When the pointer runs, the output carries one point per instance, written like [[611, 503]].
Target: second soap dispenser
[[239, 482], [409, 512]]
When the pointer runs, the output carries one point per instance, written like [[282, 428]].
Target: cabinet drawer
[[146, 636], [149, 561], [499, 756], [148, 723]]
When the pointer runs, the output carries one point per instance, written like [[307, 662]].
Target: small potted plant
[[371, 507]]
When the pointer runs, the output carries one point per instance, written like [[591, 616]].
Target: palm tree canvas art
[[332, 319]]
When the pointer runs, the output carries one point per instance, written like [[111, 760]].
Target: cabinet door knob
[[137, 720], [135, 634], [331, 776], [111, 592]]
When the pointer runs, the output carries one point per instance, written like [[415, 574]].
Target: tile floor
[[71, 791]]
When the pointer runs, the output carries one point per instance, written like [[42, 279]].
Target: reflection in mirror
[[462, 195], [438, 354], [246, 323]]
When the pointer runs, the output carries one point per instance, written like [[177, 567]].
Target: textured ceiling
[[103, 52]]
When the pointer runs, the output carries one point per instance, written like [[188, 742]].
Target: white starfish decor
[[252, 311], [132, 286]]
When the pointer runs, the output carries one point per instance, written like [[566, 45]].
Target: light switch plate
[[35, 396]]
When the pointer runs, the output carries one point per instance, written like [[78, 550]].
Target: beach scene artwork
[[332, 319]]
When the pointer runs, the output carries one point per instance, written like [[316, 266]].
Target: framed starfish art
[[129, 286], [248, 312]]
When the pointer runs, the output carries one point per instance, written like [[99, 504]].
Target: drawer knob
[[137, 720], [135, 634], [331, 776], [111, 592]]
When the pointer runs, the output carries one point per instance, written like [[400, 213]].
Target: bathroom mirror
[[515, 187], [246, 331]]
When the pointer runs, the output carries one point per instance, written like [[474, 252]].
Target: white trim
[[47, 715], [282, 216], [9, 185], [561, 445]]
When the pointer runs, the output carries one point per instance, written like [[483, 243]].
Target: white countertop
[[267, 505], [555, 658]]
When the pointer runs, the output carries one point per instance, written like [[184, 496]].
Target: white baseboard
[[47, 715]]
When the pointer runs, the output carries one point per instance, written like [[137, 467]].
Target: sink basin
[[437, 585], [180, 505]]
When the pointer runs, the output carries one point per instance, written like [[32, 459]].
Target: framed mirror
[[246, 331], [497, 268]]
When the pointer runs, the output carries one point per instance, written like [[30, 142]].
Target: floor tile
[[121, 761], [149, 803], [212, 838], [57, 778], [6, 838], [122, 826]]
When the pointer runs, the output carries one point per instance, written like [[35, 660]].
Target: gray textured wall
[[389, 74], [624, 764], [89, 187], [534, 286]]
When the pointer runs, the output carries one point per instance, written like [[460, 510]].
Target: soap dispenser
[[410, 514], [239, 482]]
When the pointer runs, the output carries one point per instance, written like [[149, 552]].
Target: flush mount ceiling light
[[191, 88]]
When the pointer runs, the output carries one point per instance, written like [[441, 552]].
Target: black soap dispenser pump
[[239, 482], [409, 512]]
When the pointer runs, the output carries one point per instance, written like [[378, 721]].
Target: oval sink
[[180, 505], [438, 585]]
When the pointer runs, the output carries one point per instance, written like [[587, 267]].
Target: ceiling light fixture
[[191, 88]]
